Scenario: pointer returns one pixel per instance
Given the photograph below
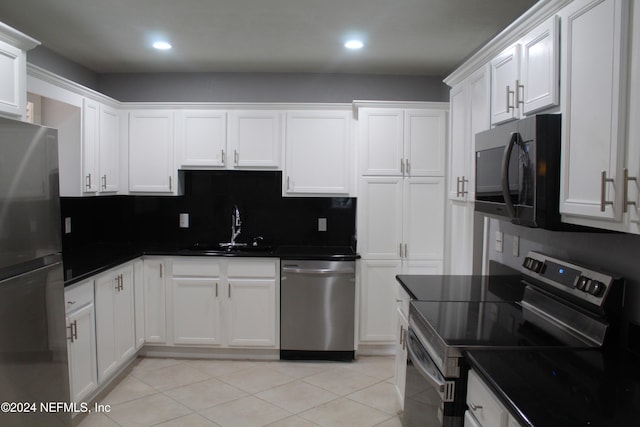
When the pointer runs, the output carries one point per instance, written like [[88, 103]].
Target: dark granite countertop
[[564, 387], [82, 264]]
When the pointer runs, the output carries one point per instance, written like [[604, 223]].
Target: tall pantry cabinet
[[401, 205]]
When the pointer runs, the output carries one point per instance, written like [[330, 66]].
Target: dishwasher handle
[[423, 363], [317, 271]]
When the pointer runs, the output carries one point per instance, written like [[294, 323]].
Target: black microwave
[[518, 171]]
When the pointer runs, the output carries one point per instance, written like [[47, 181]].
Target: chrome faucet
[[236, 224]]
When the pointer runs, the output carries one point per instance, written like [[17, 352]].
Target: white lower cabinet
[[155, 297], [81, 340], [377, 295], [400, 371], [484, 408], [225, 303], [115, 323]]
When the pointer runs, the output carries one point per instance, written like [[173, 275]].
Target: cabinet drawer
[[252, 268], [483, 404], [197, 267], [77, 296]]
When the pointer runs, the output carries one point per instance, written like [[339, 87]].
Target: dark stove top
[[564, 387]]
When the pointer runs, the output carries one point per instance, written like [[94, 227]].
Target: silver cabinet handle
[[474, 407], [222, 156], [400, 245], [161, 272], [288, 183], [104, 182], [73, 331], [603, 191], [88, 181], [625, 193], [401, 167], [407, 167], [235, 157], [170, 183], [509, 94], [406, 251], [518, 100], [460, 186], [229, 290], [216, 289]]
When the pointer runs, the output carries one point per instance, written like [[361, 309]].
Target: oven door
[[430, 399]]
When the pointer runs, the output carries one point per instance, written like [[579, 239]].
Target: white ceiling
[[421, 37]]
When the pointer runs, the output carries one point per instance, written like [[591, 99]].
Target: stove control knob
[[527, 263], [597, 288], [582, 283], [538, 266]]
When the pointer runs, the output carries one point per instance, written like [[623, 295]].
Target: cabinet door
[[382, 141], [105, 301], [83, 374], [425, 136], [380, 217], [124, 315], [400, 368], [155, 306], [458, 145], [196, 311], [317, 152], [594, 35], [109, 151], [202, 137], [90, 145], [151, 137], [251, 313], [540, 65], [255, 139], [479, 111], [423, 225], [12, 80], [377, 300], [505, 71]]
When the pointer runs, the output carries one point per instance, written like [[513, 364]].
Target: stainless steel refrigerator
[[33, 349]]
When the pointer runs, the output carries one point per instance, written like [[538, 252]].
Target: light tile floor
[[194, 393]]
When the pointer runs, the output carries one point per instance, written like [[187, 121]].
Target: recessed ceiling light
[[354, 44], [161, 45]]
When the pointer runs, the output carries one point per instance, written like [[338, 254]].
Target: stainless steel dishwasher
[[317, 310]]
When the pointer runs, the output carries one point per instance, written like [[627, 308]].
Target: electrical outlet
[[516, 246], [499, 241], [67, 225], [322, 224], [184, 220]]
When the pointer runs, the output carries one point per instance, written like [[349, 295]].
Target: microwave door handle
[[506, 158]]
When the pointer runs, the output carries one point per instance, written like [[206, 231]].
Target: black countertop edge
[[504, 398], [91, 262]]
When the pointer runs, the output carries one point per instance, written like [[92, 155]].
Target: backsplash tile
[[209, 196]]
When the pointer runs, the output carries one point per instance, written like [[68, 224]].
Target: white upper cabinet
[[318, 146], [505, 75], [539, 86], [381, 133], [524, 77], [255, 138], [470, 111], [425, 141], [151, 147], [398, 142], [202, 138], [99, 148], [13, 71], [109, 150], [234, 139], [594, 69], [90, 145]]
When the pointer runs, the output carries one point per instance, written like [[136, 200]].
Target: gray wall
[[618, 253], [270, 87], [45, 58], [244, 87]]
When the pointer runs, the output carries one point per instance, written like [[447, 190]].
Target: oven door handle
[[423, 362], [506, 159]]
